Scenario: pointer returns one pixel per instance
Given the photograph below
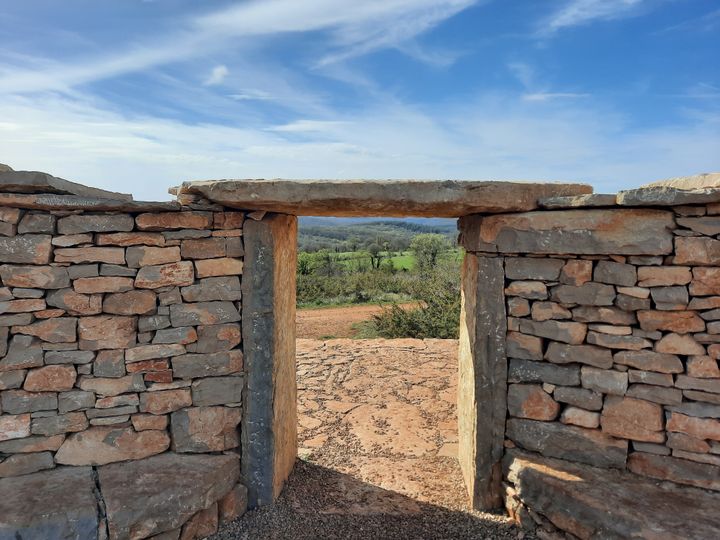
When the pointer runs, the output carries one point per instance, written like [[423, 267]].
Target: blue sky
[[139, 95]]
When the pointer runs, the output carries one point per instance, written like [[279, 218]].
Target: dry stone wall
[[613, 336], [121, 370]]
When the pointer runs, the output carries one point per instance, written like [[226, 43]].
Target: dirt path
[[377, 443], [330, 323]]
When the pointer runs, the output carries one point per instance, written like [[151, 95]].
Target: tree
[[427, 249], [376, 255]]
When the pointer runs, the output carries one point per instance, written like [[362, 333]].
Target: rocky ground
[[378, 443], [334, 322]]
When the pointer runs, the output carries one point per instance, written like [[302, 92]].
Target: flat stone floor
[[378, 440]]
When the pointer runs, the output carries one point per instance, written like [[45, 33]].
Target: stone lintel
[[40, 182], [593, 200], [269, 424], [482, 384], [391, 198], [615, 231]]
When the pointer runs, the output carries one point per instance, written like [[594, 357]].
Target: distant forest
[[345, 235]]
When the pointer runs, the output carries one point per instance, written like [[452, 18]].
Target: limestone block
[[26, 249], [166, 275], [174, 220], [138, 256], [50, 379], [205, 429], [634, 419], [57, 330], [166, 401], [41, 277], [77, 255], [102, 445], [112, 386], [88, 223], [663, 276], [14, 426], [75, 303], [124, 239], [104, 284], [649, 361]]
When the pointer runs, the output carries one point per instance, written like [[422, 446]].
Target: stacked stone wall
[[120, 341], [613, 336]]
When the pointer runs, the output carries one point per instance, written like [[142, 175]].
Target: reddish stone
[[101, 445], [147, 365], [50, 379], [700, 428], [125, 239], [228, 220], [106, 332], [704, 367], [706, 281], [576, 272], [165, 402], [166, 275], [143, 422], [174, 220], [159, 376], [682, 322], [697, 250], [138, 256], [679, 344], [58, 330], [14, 426], [531, 401], [22, 306], [108, 255], [218, 267], [103, 284], [233, 505], [203, 248], [663, 276], [49, 313], [201, 525], [635, 419], [580, 417], [75, 303], [112, 386], [130, 303]]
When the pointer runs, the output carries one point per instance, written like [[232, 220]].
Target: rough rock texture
[[142, 508], [598, 503], [441, 198]]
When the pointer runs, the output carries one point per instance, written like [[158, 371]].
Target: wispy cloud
[[582, 12], [546, 96], [355, 28], [217, 75], [535, 90]]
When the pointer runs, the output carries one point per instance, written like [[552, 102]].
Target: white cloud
[[546, 96], [494, 137], [581, 12], [217, 75]]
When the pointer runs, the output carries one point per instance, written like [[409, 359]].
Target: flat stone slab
[[159, 494], [52, 504], [593, 200], [54, 201], [391, 198], [40, 182], [667, 196], [601, 503]]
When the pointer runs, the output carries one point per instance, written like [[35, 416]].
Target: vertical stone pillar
[[482, 384], [269, 427]]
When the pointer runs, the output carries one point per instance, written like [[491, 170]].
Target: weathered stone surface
[[217, 338], [233, 505], [22, 306], [615, 273], [14, 426], [72, 240], [143, 422], [524, 371], [50, 379], [20, 464], [21, 401], [23, 352], [588, 502], [148, 352], [125, 239], [518, 307], [589, 232], [579, 397], [138, 256], [182, 336], [531, 401], [544, 311], [166, 275], [576, 272], [679, 344], [706, 281], [102, 445], [12, 379], [26, 249], [201, 525], [578, 201], [697, 251], [75, 400], [680, 471], [112, 386], [116, 270], [567, 332], [635, 292], [203, 365], [681, 322], [174, 220], [109, 364], [217, 288], [106, 332], [533, 290], [37, 223], [41, 277], [635, 419], [650, 361], [66, 497], [205, 429], [611, 329], [59, 424], [607, 315], [130, 303], [553, 439], [526, 268], [203, 248], [227, 266], [701, 428], [203, 313], [560, 353], [524, 346], [75, 303], [604, 381], [580, 417], [442, 198], [670, 298], [58, 330], [110, 255], [618, 342], [217, 391], [141, 508], [701, 410], [649, 377], [102, 223], [104, 284], [167, 401], [588, 294], [692, 383], [703, 367], [659, 276], [656, 394], [31, 444]]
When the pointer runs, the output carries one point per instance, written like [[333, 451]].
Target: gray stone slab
[[159, 494], [52, 504], [269, 427], [592, 200], [40, 182], [397, 198], [482, 385], [598, 503], [51, 201], [667, 196]]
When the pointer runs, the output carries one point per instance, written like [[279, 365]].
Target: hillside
[[351, 234]]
